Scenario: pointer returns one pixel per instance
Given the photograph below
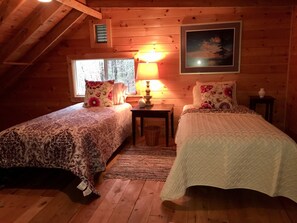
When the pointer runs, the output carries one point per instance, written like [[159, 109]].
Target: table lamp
[[147, 71]]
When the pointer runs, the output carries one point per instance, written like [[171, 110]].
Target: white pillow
[[197, 91], [196, 96], [119, 93]]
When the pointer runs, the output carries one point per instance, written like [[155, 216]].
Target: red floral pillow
[[98, 93], [216, 96]]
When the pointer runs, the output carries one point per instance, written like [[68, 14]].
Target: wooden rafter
[[43, 46], [8, 7], [35, 22], [16, 63], [81, 7], [54, 36], [187, 3]]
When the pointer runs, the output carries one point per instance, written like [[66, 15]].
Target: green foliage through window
[[120, 70]]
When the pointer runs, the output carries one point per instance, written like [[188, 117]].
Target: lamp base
[[148, 96], [147, 100]]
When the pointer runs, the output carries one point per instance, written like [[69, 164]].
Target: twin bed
[[230, 148], [77, 139]]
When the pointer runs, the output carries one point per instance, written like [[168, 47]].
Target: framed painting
[[210, 48]]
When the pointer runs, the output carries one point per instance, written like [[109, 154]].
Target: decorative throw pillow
[[197, 100], [216, 96], [119, 93], [99, 93], [196, 96]]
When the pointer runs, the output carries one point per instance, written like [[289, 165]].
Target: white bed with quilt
[[230, 147], [80, 138]]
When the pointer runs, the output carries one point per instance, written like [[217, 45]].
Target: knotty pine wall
[[291, 117], [264, 58]]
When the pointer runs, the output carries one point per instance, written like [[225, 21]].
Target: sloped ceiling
[[29, 29]]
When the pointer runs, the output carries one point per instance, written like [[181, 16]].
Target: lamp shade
[[147, 71]]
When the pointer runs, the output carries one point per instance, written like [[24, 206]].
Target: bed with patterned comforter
[[75, 138], [231, 149]]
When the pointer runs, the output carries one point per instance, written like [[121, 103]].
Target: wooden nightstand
[[268, 101], [156, 111]]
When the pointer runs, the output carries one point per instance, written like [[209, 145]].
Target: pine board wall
[[264, 58], [291, 116]]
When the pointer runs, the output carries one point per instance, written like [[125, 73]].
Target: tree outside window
[[120, 70]]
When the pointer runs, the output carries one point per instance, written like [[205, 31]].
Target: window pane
[[92, 70], [120, 70]]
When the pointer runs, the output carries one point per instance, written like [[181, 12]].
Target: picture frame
[[210, 48]]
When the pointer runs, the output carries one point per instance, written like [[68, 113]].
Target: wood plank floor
[[40, 195]]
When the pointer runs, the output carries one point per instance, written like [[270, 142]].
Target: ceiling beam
[[8, 7], [38, 20], [16, 63], [188, 3], [47, 43], [54, 36], [81, 7]]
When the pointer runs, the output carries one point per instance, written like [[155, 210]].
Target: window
[[118, 69]]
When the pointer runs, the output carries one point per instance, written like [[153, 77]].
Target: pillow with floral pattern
[[98, 93], [217, 96], [197, 91]]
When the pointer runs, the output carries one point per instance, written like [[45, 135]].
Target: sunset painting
[[210, 48]]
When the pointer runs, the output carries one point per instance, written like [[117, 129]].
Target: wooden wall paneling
[[135, 13], [266, 34], [145, 31], [264, 54], [263, 68], [148, 22], [265, 43], [268, 23], [140, 40], [291, 103], [269, 60], [186, 3], [265, 51], [38, 91], [166, 12], [164, 48], [48, 70]]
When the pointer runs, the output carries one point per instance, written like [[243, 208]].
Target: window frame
[[71, 76]]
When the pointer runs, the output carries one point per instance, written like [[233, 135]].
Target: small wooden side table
[[156, 111], [268, 101]]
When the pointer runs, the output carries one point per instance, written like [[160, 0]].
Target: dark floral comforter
[[75, 138]]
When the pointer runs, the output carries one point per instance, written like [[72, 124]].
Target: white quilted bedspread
[[228, 150]]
